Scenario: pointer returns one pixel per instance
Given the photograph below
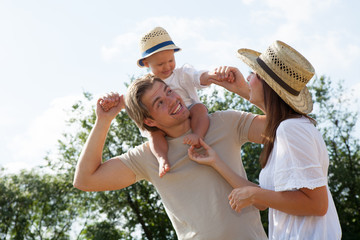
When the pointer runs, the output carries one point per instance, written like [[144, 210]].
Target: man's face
[[166, 107]]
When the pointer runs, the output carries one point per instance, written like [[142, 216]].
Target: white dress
[[299, 159]]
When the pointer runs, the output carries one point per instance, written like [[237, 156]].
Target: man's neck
[[178, 130]]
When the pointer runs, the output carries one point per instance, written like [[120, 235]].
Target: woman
[[294, 160]]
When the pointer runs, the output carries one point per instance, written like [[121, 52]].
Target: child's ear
[[146, 62], [150, 122]]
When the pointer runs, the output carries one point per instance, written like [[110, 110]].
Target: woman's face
[[256, 89]]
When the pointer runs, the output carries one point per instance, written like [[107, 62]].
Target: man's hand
[[110, 105]]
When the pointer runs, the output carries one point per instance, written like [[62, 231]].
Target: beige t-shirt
[[195, 196]]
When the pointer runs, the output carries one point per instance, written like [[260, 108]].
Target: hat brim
[[140, 62], [301, 103]]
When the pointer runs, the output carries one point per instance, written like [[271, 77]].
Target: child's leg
[[199, 124], [159, 147]]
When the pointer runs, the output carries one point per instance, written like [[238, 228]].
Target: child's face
[[161, 64]]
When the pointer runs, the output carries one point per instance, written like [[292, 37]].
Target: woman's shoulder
[[296, 124]]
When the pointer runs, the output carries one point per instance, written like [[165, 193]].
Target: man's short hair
[[135, 108]]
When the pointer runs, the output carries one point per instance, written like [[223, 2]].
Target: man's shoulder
[[142, 149], [226, 113], [227, 117], [230, 119]]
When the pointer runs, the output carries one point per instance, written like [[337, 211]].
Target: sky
[[53, 51]]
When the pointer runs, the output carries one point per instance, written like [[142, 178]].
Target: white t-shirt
[[195, 196], [185, 81], [299, 159]]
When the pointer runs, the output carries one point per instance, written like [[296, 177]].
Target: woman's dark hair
[[277, 110]]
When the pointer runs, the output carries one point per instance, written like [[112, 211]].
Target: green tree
[[35, 205], [337, 123], [103, 230], [134, 206]]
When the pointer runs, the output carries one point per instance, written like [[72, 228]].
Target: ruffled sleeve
[[301, 160]]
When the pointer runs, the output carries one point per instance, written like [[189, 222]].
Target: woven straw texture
[[290, 66], [153, 38]]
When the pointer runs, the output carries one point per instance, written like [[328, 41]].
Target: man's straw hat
[[286, 71], [156, 40]]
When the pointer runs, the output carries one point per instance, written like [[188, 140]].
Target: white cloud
[[123, 46], [334, 55], [293, 12], [181, 30], [298, 11], [28, 149]]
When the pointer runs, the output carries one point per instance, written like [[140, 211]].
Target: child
[[157, 49]]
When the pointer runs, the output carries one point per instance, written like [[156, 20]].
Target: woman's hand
[[209, 157], [231, 79], [242, 197]]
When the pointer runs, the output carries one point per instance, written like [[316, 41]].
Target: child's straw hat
[[286, 71], [155, 41]]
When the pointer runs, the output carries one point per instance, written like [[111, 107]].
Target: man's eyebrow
[[157, 98]]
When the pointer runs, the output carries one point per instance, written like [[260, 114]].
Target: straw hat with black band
[[286, 71], [156, 40]]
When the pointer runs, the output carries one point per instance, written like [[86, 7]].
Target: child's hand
[[109, 101], [224, 73], [192, 139], [235, 81], [110, 105]]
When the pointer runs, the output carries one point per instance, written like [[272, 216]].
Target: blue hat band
[[156, 47]]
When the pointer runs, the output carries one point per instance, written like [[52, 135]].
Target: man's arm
[[93, 175]]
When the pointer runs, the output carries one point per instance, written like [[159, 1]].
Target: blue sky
[[52, 51]]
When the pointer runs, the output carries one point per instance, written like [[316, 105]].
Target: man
[[195, 196]]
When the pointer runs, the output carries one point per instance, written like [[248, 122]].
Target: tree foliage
[[337, 123], [38, 205]]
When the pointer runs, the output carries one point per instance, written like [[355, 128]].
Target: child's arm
[[238, 86], [206, 76], [220, 74]]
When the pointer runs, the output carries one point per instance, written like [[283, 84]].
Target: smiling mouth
[[167, 73], [177, 109]]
